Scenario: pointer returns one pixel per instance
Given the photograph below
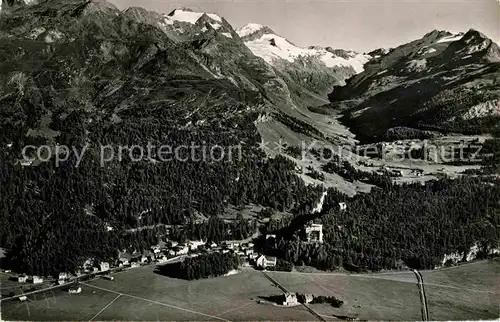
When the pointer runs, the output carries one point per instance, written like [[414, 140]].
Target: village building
[[123, 262], [308, 298], [88, 264], [22, 279], [104, 266], [265, 261], [75, 289], [193, 245], [314, 233], [397, 173], [37, 280], [23, 298], [63, 276], [417, 172], [181, 250], [290, 299]]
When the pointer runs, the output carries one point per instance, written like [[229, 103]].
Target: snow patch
[[216, 25], [272, 47], [191, 17], [450, 38], [416, 65], [167, 21], [357, 62], [227, 34], [480, 47], [232, 272], [249, 29], [430, 51]]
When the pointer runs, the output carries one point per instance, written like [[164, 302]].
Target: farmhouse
[[37, 280], [63, 276], [22, 279], [265, 261], [314, 233], [417, 172], [342, 206], [23, 298], [397, 173], [75, 289], [308, 298], [290, 299]]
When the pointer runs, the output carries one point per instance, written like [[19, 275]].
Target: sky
[[361, 25]]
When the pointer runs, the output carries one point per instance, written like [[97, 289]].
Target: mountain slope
[[434, 83], [314, 68], [84, 75]]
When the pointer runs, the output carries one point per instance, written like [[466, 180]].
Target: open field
[[466, 292], [57, 305], [364, 297], [140, 294], [472, 291]]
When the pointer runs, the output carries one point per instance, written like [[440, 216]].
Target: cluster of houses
[[23, 278], [291, 299]]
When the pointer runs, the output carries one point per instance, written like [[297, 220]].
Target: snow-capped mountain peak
[[273, 48], [451, 37], [249, 29], [189, 16]]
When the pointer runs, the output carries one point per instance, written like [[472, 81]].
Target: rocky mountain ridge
[[427, 84]]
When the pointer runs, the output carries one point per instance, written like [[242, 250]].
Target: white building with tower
[[314, 233]]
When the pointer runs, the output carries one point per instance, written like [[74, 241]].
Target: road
[[282, 288], [423, 297]]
